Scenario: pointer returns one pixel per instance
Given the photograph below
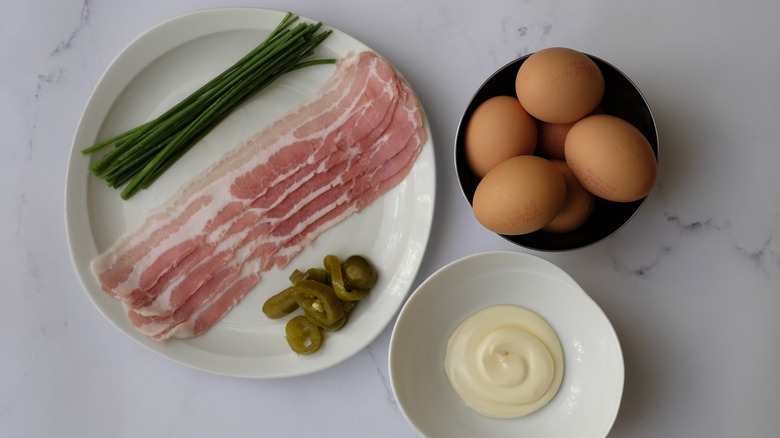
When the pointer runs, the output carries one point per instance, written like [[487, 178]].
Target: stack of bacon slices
[[183, 267]]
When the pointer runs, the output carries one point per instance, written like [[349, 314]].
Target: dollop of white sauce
[[504, 362]]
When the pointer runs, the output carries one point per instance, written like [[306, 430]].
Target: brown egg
[[498, 129], [550, 138], [520, 195], [578, 206], [611, 158], [559, 85]]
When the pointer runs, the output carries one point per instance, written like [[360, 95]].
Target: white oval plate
[[589, 398], [159, 68]]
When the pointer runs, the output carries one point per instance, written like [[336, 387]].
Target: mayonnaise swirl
[[504, 362]]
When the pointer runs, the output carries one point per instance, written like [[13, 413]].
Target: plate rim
[[75, 185]]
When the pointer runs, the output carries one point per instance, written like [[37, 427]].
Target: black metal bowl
[[622, 99]]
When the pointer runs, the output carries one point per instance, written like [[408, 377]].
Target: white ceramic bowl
[[589, 398]]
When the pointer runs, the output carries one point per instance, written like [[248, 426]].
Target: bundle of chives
[[142, 154]]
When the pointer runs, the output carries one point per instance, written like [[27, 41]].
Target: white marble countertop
[[691, 285]]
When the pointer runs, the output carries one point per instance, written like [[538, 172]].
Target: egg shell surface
[[559, 85], [611, 158], [520, 195], [499, 129], [551, 138], [578, 206]]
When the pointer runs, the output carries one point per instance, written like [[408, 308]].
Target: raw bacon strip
[[160, 327], [120, 269], [337, 185], [383, 177], [288, 245], [221, 302], [143, 244], [204, 309], [138, 249], [329, 200], [177, 285], [237, 271], [287, 184], [122, 264], [329, 187], [211, 313], [170, 294], [354, 194]]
